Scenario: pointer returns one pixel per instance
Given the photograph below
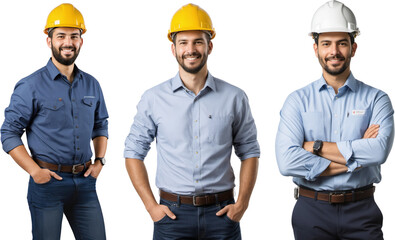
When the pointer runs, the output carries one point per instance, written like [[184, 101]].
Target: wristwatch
[[101, 159], [317, 146]]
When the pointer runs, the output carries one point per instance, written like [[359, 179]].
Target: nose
[[190, 48], [334, 50]]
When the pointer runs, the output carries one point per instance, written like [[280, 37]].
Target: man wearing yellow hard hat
[[61, 108], [196, 119], [333, 137]]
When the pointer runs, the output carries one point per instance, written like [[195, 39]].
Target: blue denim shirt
[[194, 134], [60, 118], [316, 112]]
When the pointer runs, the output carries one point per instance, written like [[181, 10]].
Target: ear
[[49, 40], [82, 42], [173, 49], [210, 47], [354, 49], [315, 46]]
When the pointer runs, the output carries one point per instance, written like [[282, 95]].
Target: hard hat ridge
[[334, 16]]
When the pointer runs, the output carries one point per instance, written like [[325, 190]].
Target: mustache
[[195, 54], [339, 57], [70, 47]]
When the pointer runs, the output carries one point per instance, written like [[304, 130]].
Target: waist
[[198, 200], [77, 168], [336, 196]]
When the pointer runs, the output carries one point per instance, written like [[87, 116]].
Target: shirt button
[[76, 126], [197, 166], [54, 107], [335, 131], [75, 117], [197, 181], [197, 152], [196, 137], [73, 100], [78, 149], [78, 137]]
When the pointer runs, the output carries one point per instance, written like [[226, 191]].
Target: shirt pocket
[[356, 124], [88, 108], [54, 112], [313, 125], [220, 129]]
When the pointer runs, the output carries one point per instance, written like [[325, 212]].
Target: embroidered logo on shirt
[[358, 112]]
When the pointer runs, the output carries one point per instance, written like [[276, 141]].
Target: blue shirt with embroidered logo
[[316, 112], [60, 118], [194, 135]]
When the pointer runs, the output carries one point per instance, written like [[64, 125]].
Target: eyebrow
[[341, 40]]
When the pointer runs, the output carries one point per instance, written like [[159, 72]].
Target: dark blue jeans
[[196, 223], [76, 197], [319, 220]]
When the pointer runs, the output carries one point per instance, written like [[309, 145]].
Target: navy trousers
[[196, 223], [320, 220], [75, 196]]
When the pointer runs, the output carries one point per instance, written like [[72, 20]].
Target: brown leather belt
[[338, 197], [202, 200], [64, 168]]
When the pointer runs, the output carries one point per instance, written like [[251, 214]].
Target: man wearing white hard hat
[[333, 136]]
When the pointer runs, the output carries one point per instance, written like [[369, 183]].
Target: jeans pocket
[[230, 220]]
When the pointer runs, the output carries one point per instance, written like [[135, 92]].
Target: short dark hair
[[50, 32], [352, 37], [174, 37]]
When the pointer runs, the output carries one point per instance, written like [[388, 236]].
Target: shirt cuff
[[11, 143], [100, 133], [345, 149], [315, 169]]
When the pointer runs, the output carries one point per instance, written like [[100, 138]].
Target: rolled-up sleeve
[[17, 116], [292, 159], [372, 151], [244, 131], [100, 127], [142, 131]]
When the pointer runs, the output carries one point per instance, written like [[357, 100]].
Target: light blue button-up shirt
[[194, 135], [316, 112]]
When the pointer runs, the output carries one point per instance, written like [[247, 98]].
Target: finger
[[169, 213], [56, 176], [88, 172], [222, 211]]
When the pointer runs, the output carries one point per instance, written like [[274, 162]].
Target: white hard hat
[[334, 16]]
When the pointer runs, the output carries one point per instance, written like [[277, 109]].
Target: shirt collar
[[176, 83], [351, 83], [54, 72]]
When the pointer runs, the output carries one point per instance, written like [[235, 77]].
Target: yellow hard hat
[[65, 15], [190, 17]]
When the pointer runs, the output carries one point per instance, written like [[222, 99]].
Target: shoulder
[[32, 80], [228, 89]]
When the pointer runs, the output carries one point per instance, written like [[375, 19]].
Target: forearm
[[139, 177], [248, 175], [329, 150], [23, 159], [100, 146], [334, 169]]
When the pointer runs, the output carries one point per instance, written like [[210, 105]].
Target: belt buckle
[[337, 194], [296, 193], [73, 168], [194, 201]]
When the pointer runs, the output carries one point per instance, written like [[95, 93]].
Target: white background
[[261, 47]]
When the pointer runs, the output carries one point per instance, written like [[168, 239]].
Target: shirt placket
[[76, 123], [196, 145]]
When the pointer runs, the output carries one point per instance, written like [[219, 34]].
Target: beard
[[65, 61], [335, 72], [193, 70]]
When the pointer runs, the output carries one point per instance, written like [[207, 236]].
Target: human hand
[[160, 211], [234, 212], [372, 131], [42, 176], [94, 170]]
